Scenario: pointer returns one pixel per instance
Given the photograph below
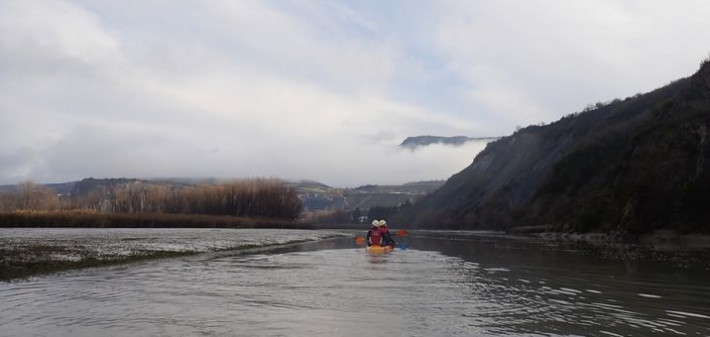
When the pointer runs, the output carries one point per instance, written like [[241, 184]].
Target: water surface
[[454, 284]]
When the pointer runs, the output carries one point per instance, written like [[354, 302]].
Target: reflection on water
[[441, 286]]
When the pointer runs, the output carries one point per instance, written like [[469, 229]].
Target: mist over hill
[[627, 166], [413, 143]]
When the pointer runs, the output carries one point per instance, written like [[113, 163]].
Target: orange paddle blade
[[402, 232], [359, 240]]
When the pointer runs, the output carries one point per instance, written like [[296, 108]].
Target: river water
[[457, 283]]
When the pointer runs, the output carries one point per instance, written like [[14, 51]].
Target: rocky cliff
[[626, 166]]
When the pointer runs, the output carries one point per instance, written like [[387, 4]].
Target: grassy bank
[[143, 220]]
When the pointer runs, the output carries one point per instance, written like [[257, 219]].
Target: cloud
[[314, 90], [45, 32], [553, 57]]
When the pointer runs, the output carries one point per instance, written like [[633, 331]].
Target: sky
[[319, 90]]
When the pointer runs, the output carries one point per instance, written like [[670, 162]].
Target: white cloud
[[53, 34], [309, 90], [554, 57]]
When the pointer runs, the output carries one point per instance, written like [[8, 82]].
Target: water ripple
[[343, 291]]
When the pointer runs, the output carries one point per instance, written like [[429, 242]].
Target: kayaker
[[387, 239], [374, 235]]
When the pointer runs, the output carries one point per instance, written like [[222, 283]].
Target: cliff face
[[628, 166]]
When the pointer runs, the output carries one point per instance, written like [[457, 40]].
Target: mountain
[[627, 167], [60, 188], [422, 141], [321, 197]]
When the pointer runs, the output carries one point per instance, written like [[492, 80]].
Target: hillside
[[320, 197], [628, 166]]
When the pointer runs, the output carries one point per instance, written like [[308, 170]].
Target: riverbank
[[82, 219], [660, 240], [665, 246], [663, 239]]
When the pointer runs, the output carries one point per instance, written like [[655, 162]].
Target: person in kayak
[[387, 239], [379, 234], [374, 235]]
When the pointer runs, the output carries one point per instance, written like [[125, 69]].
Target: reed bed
[[86, 219]]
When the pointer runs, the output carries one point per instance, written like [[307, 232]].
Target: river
[[443, 284]]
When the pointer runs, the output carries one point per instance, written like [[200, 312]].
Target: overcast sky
[[321, 90]]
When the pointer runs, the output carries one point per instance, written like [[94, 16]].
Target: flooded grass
[[44, 254], [18, 265], [26, 252]]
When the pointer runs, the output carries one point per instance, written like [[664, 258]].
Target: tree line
[[268, 198]]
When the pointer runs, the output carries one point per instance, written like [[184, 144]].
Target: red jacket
[[374, 236]]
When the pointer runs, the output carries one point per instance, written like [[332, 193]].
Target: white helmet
[[376, 223], [383, 223]]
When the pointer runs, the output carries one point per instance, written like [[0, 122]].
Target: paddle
[[400, 245]]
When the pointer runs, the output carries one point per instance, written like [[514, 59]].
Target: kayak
[[375, 249]]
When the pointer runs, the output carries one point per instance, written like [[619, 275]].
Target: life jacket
[[375, 236], [386, 236]]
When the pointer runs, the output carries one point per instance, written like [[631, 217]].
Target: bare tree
[[30, 196]]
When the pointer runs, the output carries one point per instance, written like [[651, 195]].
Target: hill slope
[[627, 166]]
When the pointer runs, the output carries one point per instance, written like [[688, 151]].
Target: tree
[[30, 196]]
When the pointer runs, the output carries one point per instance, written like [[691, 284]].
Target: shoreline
[[659, 240]]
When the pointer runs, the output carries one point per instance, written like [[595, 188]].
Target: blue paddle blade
[[402, 246]]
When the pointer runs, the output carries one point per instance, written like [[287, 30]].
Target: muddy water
[[453, 284]]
